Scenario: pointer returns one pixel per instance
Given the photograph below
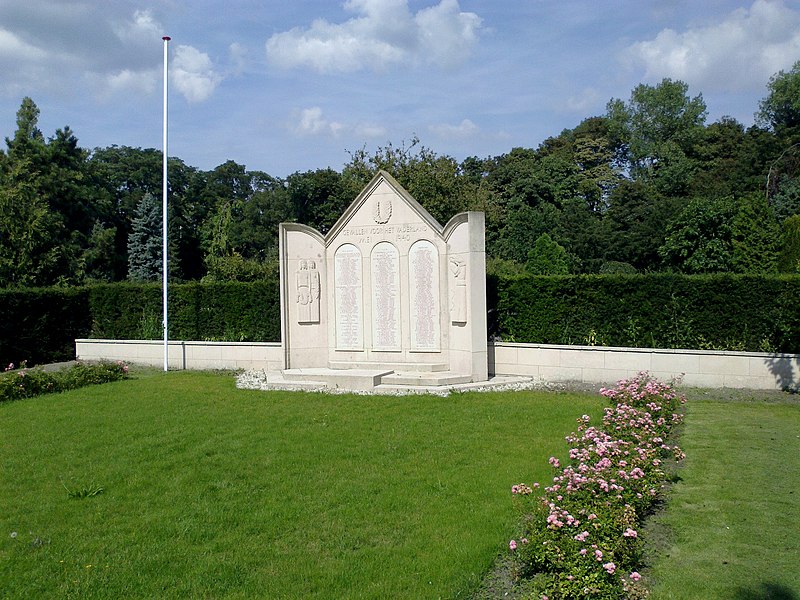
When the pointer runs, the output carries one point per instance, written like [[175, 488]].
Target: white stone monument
[[388, 295]]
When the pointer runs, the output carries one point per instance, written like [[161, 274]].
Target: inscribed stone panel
[[385, 276], [349, 309], [423, 286]]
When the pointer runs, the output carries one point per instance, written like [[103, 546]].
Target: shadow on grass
[[765, 591]]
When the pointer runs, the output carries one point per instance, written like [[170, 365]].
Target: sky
[[284, 86]]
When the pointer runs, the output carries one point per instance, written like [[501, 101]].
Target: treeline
[[649, 186]]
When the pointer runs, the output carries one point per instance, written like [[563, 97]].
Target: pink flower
[[598, 554], [635, 576], [524, 541], [631, 533], [610, 567], [512, 545], [583, 551]]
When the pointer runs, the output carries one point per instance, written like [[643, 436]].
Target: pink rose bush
[[584, 529]]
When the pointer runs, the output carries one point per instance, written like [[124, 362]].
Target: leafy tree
[[755, 238], [145, 241], [655, 131], [547, 257], [634, 224], [434, 181], [780, 110], [100, 256], [31, 253], [699, 240], [787, 201], [789, 255]]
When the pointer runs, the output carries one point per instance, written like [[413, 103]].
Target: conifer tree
[[144, 241]]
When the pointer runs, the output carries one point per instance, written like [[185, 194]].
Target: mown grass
[[734, 516], [209, 491]]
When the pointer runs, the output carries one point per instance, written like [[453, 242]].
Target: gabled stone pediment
[[377, 204]]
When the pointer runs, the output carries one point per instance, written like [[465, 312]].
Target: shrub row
[[27, 383], [719, 312], [580, 536], [231, 311], [41, 325], [723, 312]]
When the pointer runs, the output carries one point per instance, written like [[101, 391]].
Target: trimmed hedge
[[712, 312], [39, 325], [720, 312], [231, 311]]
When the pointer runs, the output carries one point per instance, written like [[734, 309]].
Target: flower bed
[[27, 383], [580, 537]]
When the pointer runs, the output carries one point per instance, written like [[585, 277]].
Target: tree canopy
[[647, 186]]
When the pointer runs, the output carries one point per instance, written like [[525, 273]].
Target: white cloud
[[586, 100], [12, 47], [739, 53], [385, 34], [463, 130], [142, 29], [193, 74], [369, 130], [127, 80], [310, 121]]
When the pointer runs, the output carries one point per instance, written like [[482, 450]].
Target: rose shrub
[[580, 538]]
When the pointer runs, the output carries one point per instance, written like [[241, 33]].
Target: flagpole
[[164, 209]]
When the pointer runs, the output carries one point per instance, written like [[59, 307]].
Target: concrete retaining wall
[[586, 364], [185, 355], [699, 368]]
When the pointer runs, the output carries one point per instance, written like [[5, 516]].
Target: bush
[[40, 325], [232, 311], [715, 312], [581, 536], [27, 383]]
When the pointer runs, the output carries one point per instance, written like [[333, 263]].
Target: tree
[[755, 236], [654, 133], [789, 255], [780, 110], [699, 240], [145, 241], [547, 257], [31, 235]]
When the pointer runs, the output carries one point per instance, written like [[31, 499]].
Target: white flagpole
[[164, 209]]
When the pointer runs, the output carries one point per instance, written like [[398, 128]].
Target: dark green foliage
[[233, 311], [789, 254], [27, 383], [547, 257], [145, 241], [40, 325], [732, 312]]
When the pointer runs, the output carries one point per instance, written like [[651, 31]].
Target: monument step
[[425, 378], [350, 379], [424, 367]]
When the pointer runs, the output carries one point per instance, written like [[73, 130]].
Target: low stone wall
[[185, 354], [585, 364], [699, 368]]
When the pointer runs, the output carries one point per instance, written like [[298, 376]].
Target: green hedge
[[719, 312], [232, 311], [723, 312], [40, 325]]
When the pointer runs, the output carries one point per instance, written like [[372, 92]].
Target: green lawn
[[209, 491], [735, 515]]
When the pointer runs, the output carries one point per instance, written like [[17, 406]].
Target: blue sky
[[285, 86]]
